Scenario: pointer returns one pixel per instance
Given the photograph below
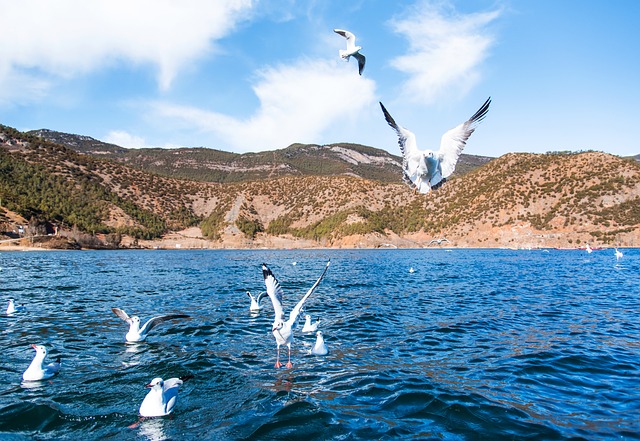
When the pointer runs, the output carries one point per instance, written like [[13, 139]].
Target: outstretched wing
[[120, 313], [261, 296], [155, 321], [351, 39], [361, 60], [453, 142], [293, 316], [408, 148], [274, 291]]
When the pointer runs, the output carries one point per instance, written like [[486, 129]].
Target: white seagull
[[283, 330], [255, 301], [136, 333], [588, 248], [13, 308], [162, 397], [426, 170], [319, 348], [308, 326], [37, 370], [352, 50], [618, 254]]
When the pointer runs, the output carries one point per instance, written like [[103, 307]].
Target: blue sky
[[242, 75]]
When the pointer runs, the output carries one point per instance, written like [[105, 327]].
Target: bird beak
[[34, 346], [149, 386]]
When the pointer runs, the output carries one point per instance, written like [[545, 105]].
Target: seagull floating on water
[[37, 370], [588, 248], [308, 326], [319, 348], [411, 270], [352, 50], [255, 301], [12, 308], [136, 333], [162, 397], [426, 170], [283, 330]]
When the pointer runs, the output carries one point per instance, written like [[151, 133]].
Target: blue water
[[475, 344]]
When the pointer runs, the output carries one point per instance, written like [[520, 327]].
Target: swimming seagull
[[37, 370], [283, 330], [162, 397], [308, 326], [136, 333], [426, 170], [13, 308], [319, 348], [255, 301], [352, 49]]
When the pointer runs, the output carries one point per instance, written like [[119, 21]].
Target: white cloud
[[445, 50], [297, 103], [66, 38], [124, 139]]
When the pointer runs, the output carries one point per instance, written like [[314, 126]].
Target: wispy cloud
[[42, 39], [297, 103], [446, 50]]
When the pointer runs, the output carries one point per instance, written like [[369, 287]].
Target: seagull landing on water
[[255, 301], [138, 334], [283, 329], [162, 397], [352, 49], [426, 170], [37, 370], [308, 326], [12, 308]]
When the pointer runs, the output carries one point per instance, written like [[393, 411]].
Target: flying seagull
[[162, 397], [37, 370], [136, 333], [426, 170], [255, 301], [283, 329], [352, 50]]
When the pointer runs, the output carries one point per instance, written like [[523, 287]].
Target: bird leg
[[289, 365], [278, 364]]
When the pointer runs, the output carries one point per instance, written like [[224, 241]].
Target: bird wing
[[120, 313], [351, 39], [453, 142], [293, 316], [274, 291], [361, 60], [408, 148], [261, 296], [155, 321]]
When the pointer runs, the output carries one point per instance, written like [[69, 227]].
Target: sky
[[256, 75]]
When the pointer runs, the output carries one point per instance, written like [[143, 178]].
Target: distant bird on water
[[426, 170], [352, 50], [319, 348], [618, 254], [255, 301], [138, 334], [308, 326], [12, 308], [283, 329]]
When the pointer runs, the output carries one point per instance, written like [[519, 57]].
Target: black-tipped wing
[[361, 60], [155, 321], [453, 142], [274, 291], [293, 316]]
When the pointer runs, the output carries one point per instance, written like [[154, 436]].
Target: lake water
[[475, 344]]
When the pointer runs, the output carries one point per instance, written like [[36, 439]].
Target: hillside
[[517, 200], [209, 165]]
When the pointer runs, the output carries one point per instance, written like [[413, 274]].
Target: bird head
[[277, 325], [156, 383], [135, 320], [40, 350]]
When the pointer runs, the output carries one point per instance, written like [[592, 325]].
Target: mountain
[[517, 200], [209, 165]]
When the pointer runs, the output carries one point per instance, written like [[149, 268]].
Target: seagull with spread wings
[[352, 50], [283, 329], [426, 170], [136, 333]]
